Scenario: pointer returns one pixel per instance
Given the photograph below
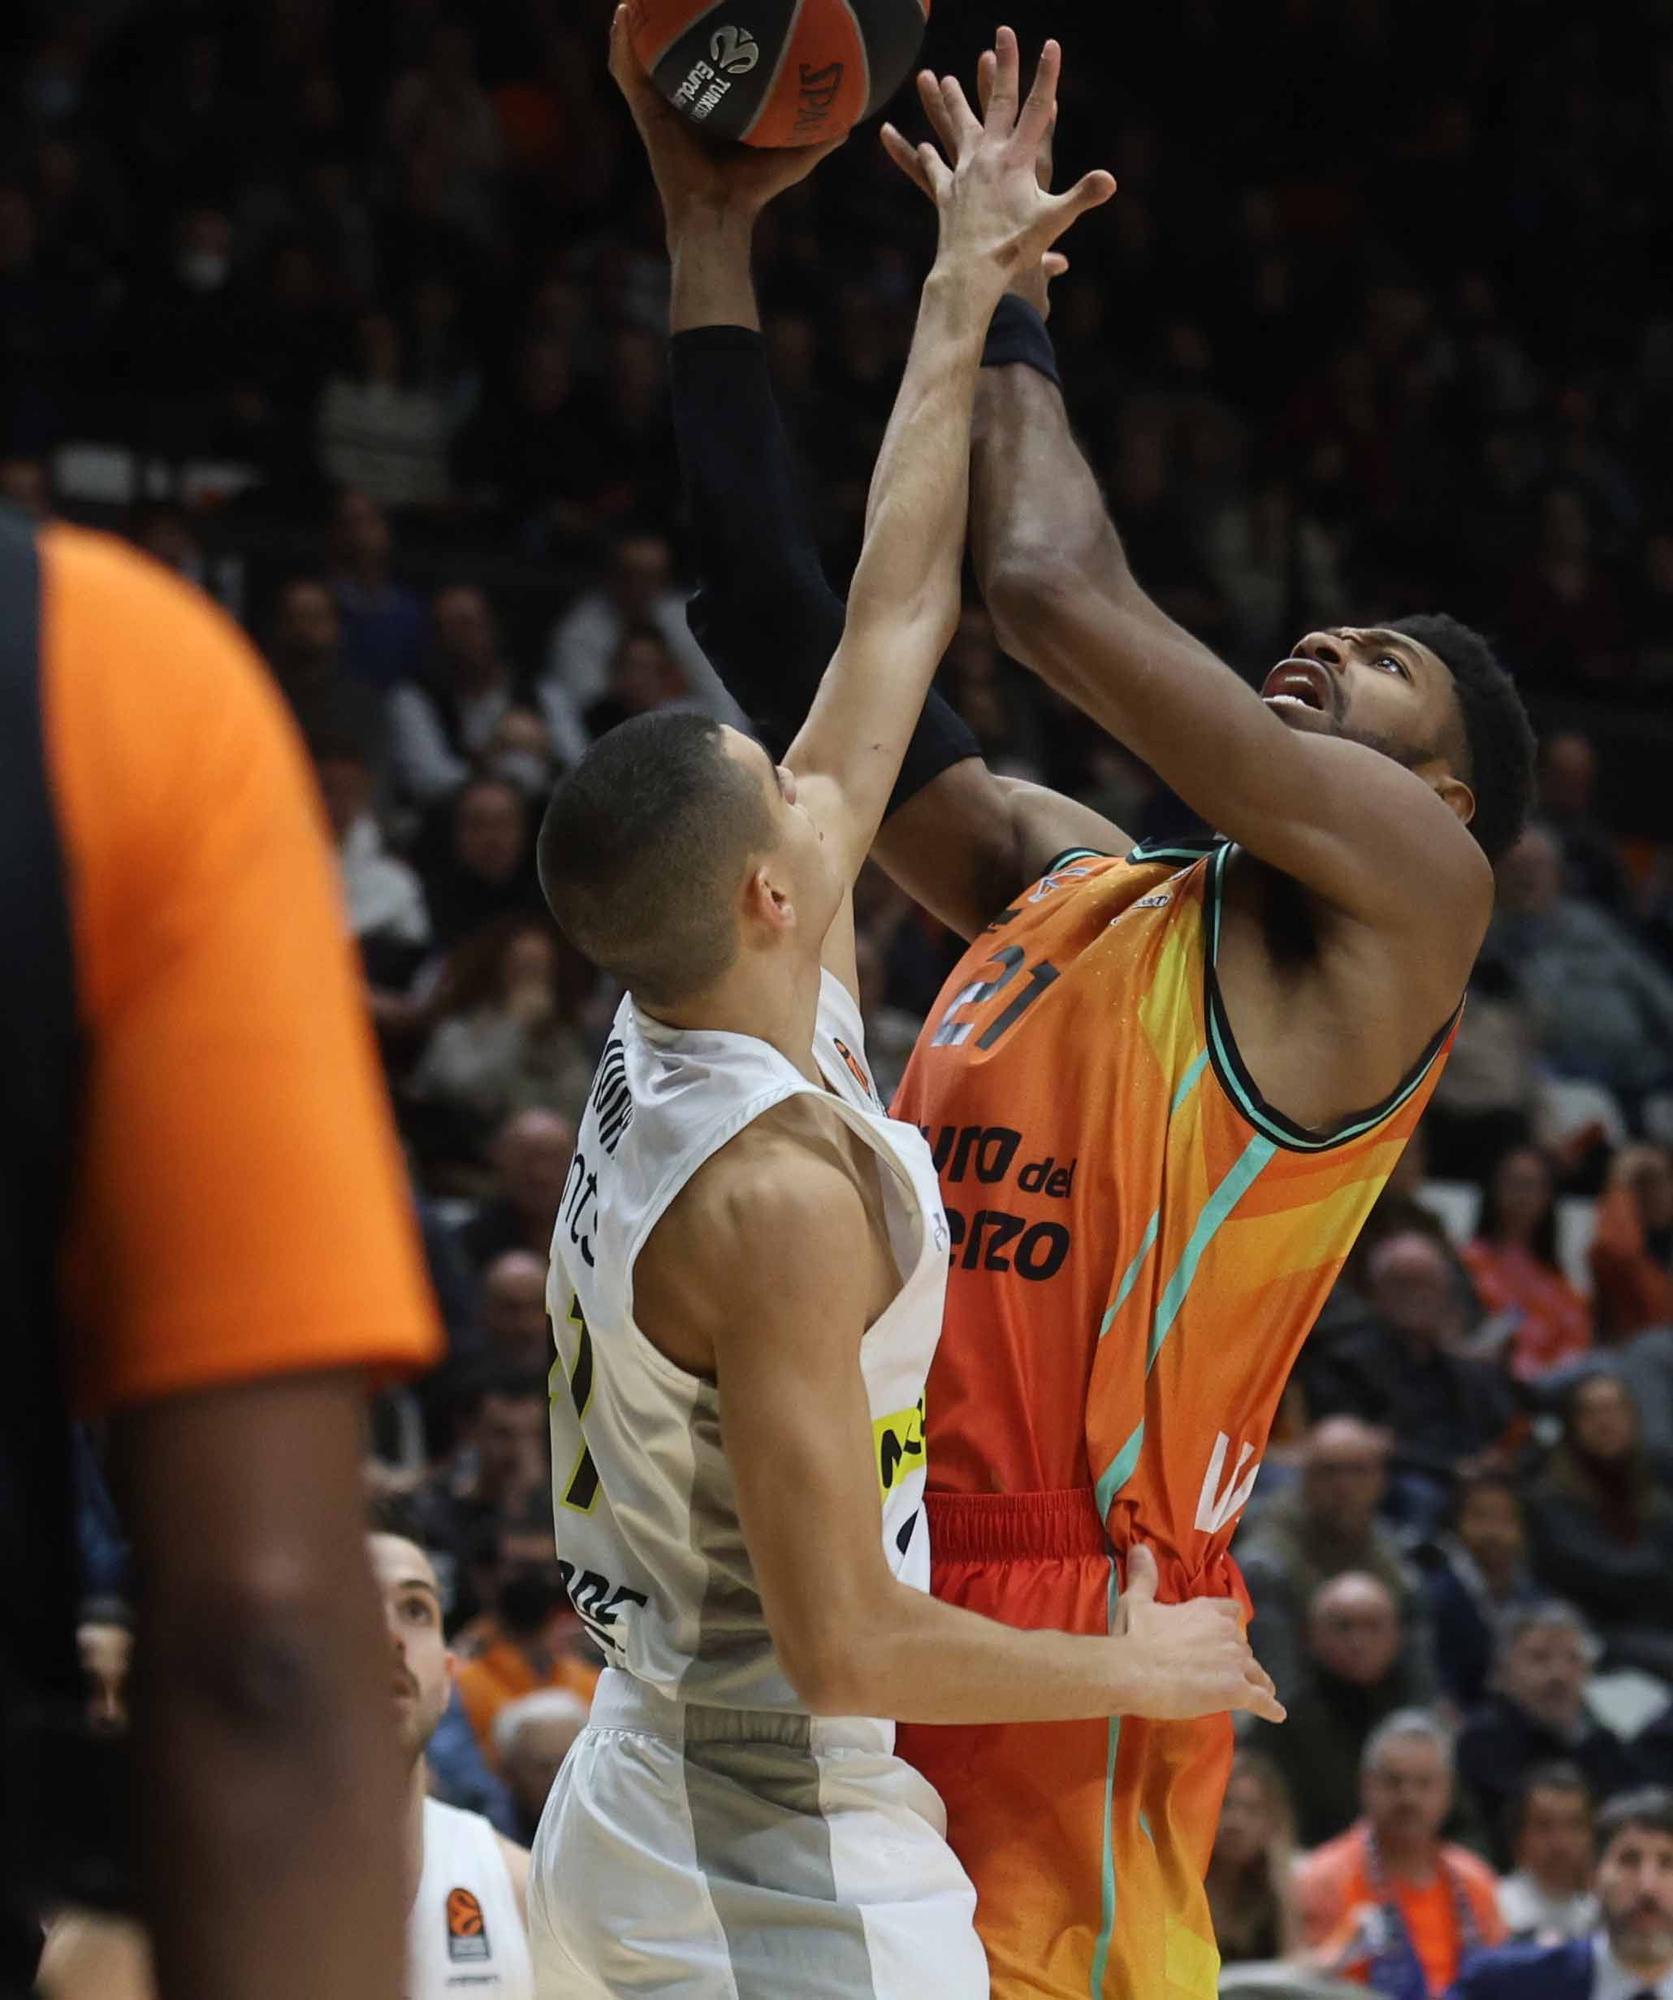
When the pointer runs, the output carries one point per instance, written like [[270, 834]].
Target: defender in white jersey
[[747, 1281], [467, 1925]]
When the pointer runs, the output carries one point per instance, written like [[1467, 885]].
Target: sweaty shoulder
[[241, 1208]]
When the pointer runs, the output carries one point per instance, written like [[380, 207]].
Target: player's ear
[[1457, 795], [766, 900]]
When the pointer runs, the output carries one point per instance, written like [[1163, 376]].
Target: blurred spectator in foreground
[[1630, 1957], [1513, 1261], [638, 590], [1549, 1895], [531, 1158], [1389, 1904], [1601, 1007], [509, 1037], [1632, 1252], [1320, 1526], [534, 1638], [1602, 1530], [1592, 866], [377, 430], [644, 675], [305, 644], [382, 621], [487, 871], [448, 724], [1251, 1888], [105, 1646], [1405, 1372], [1474, 1573], [532, 1737], [1350, 1679], [1536, 1714], [25, 485]]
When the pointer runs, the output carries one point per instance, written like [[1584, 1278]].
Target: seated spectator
[[500, 1460], [105, 1648], [488, 869], [1549, 1895], [1632, 1252], [1593, 869], [508, 1038], [645, 675], [1485, 1100], [375, 430], [534, 1638], [1404, 1371], [514, 1313], [1602, 1530], [1474, 1573], [532, 1737], [531, 1160], [1629, 1956], [382, 621], [1323, 1524], [1351, 1677], [446, 725], [638, 590], [1251, 1889], [1536, 1714], [1601, 1008], [1513, 1262], [1389, 1904], [385, 898]]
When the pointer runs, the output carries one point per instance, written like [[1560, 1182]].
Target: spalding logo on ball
[[777, 72]]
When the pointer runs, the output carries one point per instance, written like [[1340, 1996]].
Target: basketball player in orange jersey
[[1163, 1089]]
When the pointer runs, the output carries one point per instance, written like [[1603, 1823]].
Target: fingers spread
[[1001, 106], [935, 110], [964, 127], [905, 156], [1037, 113]]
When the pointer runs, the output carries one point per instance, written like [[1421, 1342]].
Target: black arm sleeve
[[764, 612]]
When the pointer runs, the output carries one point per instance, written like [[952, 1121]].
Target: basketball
[[777, 72]]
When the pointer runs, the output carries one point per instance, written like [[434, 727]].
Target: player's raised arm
[[761, 1270], [904, 600]]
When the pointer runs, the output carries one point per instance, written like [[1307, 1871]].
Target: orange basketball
[[777, 72]]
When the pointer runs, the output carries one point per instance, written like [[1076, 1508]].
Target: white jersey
[[647, 1522], [465, 1934]]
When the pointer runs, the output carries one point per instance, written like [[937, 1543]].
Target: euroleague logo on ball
[[734, 51]]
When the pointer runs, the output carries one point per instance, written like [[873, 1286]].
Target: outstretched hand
[[1006, 159], [691, 172]]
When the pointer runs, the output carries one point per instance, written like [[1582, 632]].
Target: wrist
[[713, 223], [962, 291]]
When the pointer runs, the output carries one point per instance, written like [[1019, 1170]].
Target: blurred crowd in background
[[356, 317]]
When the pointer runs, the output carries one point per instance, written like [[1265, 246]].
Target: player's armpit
[[971, 841]]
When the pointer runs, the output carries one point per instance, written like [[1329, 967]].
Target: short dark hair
[[642, 847], [1498, 737], [1647, 1810], [1543, 1778], [1480, 1479]]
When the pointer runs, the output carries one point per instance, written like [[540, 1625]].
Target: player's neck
[[412, 1834], [762, 997]]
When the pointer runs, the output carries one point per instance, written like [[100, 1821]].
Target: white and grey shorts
[[698, 1852]]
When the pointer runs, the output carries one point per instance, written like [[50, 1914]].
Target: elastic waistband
[[621, 1701], [1015, 1527]]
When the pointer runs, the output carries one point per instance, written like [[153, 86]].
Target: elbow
[[1031, 593], [828, 1671]]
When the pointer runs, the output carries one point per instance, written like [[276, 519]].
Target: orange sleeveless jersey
[[1140, 1244], [1139, 1248]]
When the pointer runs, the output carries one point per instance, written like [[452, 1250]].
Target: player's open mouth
[[1300, 684]]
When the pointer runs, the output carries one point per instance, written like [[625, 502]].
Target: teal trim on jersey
[[1239, 1086], [1149, 851], [1119, 1470], [1106, 1928], [1130, 1277], [1250, 1164], [1072, 854], [1144, 1828], [1188, 1082]]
